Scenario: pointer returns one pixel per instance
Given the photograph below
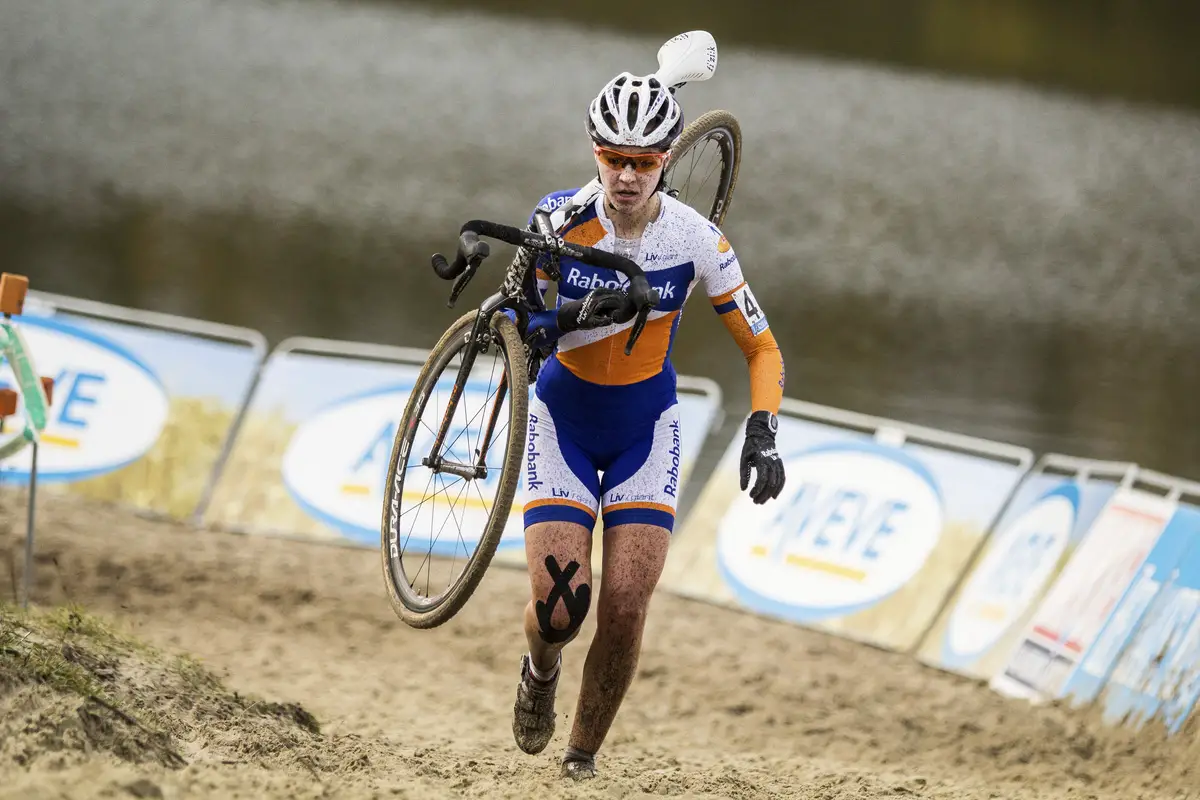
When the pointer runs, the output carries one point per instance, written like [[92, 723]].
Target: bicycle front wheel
[[704, 164], [443, 519]]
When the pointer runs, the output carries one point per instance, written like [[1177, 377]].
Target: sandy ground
[[725, 704]]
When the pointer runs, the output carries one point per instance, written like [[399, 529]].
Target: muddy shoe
[[579, 768], [533, 713]]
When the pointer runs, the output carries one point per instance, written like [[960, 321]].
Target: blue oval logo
[[857, 522], [335, 468]]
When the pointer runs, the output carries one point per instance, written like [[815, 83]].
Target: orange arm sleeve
[[762, 354]]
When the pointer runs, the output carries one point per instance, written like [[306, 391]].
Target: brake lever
[[639, 322], [649, 299], [473, 252], [463, 279]]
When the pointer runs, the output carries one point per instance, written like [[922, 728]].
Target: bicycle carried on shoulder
[[456, 461]]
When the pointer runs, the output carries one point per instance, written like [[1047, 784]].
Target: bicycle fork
[[479, 333]]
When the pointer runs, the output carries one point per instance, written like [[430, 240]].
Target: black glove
[[597, 308], [759, 451]]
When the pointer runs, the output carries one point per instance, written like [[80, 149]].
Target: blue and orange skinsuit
[[604, 429]]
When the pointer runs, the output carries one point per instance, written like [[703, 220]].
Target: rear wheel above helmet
[[704, 164]]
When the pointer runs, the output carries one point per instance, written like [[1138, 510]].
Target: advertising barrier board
[[1157, 573], [874, 526], [1067, 623], [311, 455], [1157, 674], [1031, 543], [143, 402]]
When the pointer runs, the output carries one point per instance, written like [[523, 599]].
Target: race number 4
[[751, 310]]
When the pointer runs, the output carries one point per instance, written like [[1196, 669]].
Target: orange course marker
[[48, 388], [8, 402], [12, 293]]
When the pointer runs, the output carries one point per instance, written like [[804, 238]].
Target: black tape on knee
[[576, 603]]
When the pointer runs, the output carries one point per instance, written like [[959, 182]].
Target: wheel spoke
[[451, 500], [427, 560], [432, 518], [466, 549], [425, 499], [690, 164], [428, 483], [687, 181], [483, 500], [486, 446], [496, 436], [716, 165], [718, 162], [693, 173], [467, 425], [454, 441]]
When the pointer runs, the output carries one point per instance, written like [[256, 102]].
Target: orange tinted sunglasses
[[642, 162]]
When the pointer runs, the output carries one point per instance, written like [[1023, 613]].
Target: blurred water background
[[1017, 259]]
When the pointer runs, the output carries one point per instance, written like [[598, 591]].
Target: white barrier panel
[[311, 455], [143, 402], [311, 450], [1032, 542], [1065, 628], [874, 526], [1157, 677]]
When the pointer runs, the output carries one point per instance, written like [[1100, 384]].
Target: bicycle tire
[[420, 615], [724, 128]]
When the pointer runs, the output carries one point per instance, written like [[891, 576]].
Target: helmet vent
[[635, 110]]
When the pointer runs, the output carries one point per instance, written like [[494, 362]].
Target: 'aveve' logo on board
[[109, 407], [855, 523], [336, 464], [1019, 561]]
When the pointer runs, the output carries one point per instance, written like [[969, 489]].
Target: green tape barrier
[[16, 351]]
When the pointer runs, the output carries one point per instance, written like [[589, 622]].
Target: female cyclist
[[604, 431]]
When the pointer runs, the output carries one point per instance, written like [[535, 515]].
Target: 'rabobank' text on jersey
[[589, 378]]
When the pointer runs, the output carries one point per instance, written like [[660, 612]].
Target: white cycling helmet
[[635, 111]]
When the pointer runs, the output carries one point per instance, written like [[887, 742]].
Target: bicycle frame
[[434, 461], [515, 293]]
